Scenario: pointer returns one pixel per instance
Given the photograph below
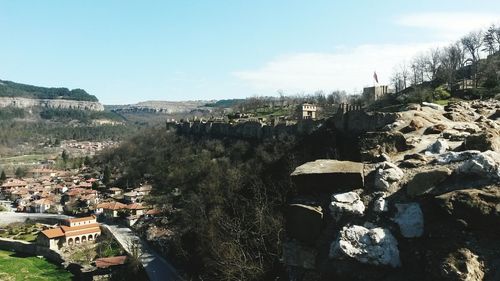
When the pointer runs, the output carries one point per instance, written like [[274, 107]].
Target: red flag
[[375, 76]]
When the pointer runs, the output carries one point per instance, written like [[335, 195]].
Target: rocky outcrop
[[425, 181], [374, 246], [50, 103]]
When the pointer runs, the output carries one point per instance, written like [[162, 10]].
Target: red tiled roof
[[80, 219], [153, 212], [53, 232], [111, 261], [112, 206], [135, 206]]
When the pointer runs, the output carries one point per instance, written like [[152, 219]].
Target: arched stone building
[[71, 232]]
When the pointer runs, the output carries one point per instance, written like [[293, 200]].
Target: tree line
[[455, 65]]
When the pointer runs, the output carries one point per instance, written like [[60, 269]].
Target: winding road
[[156, 267]]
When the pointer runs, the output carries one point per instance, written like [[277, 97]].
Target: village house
[[308, 111], [132, 197], [71, 232], [114, 191], [110, 209], [42, 205]]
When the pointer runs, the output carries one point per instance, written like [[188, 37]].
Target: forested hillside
[[12, 89]]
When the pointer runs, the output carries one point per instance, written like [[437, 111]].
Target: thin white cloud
[[346, 69], [448, 25]]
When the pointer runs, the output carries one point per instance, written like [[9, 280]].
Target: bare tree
[[403, 69], [472, 43], [452, 58], [432, 63]]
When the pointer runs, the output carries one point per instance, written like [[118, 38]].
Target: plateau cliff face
[[19, 102], [163, 107]]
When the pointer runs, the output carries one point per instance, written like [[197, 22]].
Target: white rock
[[346, 203], [433, 105], [380, 205], [410, 220], [486, 164], [375, 246], [387, 175], [450, 157], [438, 147]]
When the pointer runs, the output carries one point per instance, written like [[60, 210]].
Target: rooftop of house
[[135, 206], [111, 261], [72, 220], [112, 206]]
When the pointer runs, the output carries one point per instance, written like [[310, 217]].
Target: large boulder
[[304, 222], [426, 181], [348, 203], [478, 208], [375, 246], [485, 164], [488, 140], [410, 219], [326, 175], [387, 176], [435, 129]]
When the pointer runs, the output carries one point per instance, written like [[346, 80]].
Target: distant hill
[[18, 90]]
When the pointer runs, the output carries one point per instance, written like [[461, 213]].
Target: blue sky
[[130, 51]]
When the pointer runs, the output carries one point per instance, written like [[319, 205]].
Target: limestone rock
[[296, 254], [438, 147], [346, 203], [304, 222], [489, 140], [410, 220], [462, 265], [326, 175], [435, 129], [414, 125], [425, 181], [50, 103], [375, 246], [387, 175], [485, 164], [451, 156]]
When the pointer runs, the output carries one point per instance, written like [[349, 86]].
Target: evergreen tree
[[64, 156], [106, 175], [3, 176]]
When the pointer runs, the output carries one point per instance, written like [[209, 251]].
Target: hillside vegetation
[[13, 89]]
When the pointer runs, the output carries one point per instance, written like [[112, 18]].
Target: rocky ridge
[[19, 102], [424, 206]]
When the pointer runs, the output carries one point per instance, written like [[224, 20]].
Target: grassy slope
[[29, 268]]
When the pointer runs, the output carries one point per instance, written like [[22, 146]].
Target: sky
[[130, 51]]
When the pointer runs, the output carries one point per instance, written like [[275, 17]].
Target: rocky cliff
[[163, 107], [50, 103], [422, 204]]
